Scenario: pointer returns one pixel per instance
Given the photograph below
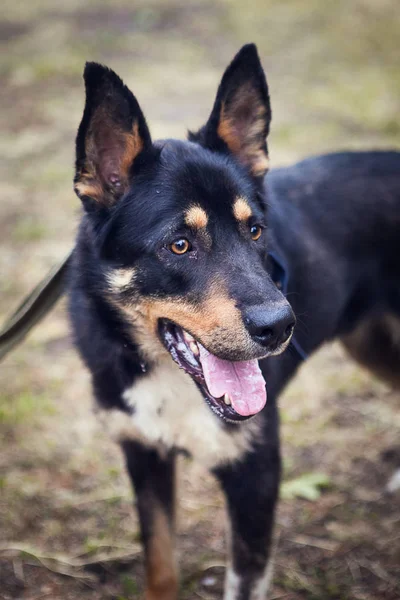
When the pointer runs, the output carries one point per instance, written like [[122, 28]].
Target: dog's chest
[[169, 411]]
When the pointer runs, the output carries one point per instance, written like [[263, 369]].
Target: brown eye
[[255, 232], [180, 246]]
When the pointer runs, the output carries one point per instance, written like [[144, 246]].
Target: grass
[[129, 586], [24, 408]]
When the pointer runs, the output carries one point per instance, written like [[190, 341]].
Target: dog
[[177, 313]]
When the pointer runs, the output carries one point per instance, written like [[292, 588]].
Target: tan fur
[[134, 146], [196, 217], [241, 209], [161, 569], [260, 164], [241, 127], [87, 186], [130, 145], [227, 132], [375, 343], [216, 321], [169, 411]]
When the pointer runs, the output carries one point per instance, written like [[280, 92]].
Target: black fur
[[334, 221], [245, 67]]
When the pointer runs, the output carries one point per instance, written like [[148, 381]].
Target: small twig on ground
[[75, 503], [377, 570], [304, 540], [85, 578], [64, 565], [110, 546], [18, 568], [354, 569], [300, 577]]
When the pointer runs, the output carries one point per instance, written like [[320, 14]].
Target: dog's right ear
[[112, 137]]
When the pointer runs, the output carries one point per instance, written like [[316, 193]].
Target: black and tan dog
[[173, 305]]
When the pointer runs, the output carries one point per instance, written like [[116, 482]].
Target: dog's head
[[180, 232]]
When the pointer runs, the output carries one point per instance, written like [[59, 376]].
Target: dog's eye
[[180, 246], [255, 232]]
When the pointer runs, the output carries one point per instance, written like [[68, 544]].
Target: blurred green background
[[333, 72]]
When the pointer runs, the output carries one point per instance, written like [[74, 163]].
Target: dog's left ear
[[112, 137], [241, 116]]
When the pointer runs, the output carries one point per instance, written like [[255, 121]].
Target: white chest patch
[[169, 411]]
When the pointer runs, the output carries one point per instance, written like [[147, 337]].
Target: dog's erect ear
[[241, 115], [112, 135]]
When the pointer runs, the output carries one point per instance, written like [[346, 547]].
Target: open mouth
[[235, 391]]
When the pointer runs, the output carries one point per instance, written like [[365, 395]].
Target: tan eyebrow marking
[[196, 217], [241, 209]]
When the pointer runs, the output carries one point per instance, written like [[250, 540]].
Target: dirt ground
[[67, 528]]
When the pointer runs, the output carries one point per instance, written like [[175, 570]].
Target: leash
[[34, 307], [280, 276]]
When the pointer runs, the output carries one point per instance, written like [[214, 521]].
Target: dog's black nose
[[268, 326]]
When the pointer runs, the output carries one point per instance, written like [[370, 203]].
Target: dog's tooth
[[227, 400], [194, 348], [188, 338]]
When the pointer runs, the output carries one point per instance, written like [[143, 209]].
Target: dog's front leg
[[251, 487], [153, 479]]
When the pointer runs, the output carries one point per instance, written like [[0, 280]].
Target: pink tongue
[[242, 381]]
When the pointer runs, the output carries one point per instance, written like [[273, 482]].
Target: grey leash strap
[[34, 307]]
